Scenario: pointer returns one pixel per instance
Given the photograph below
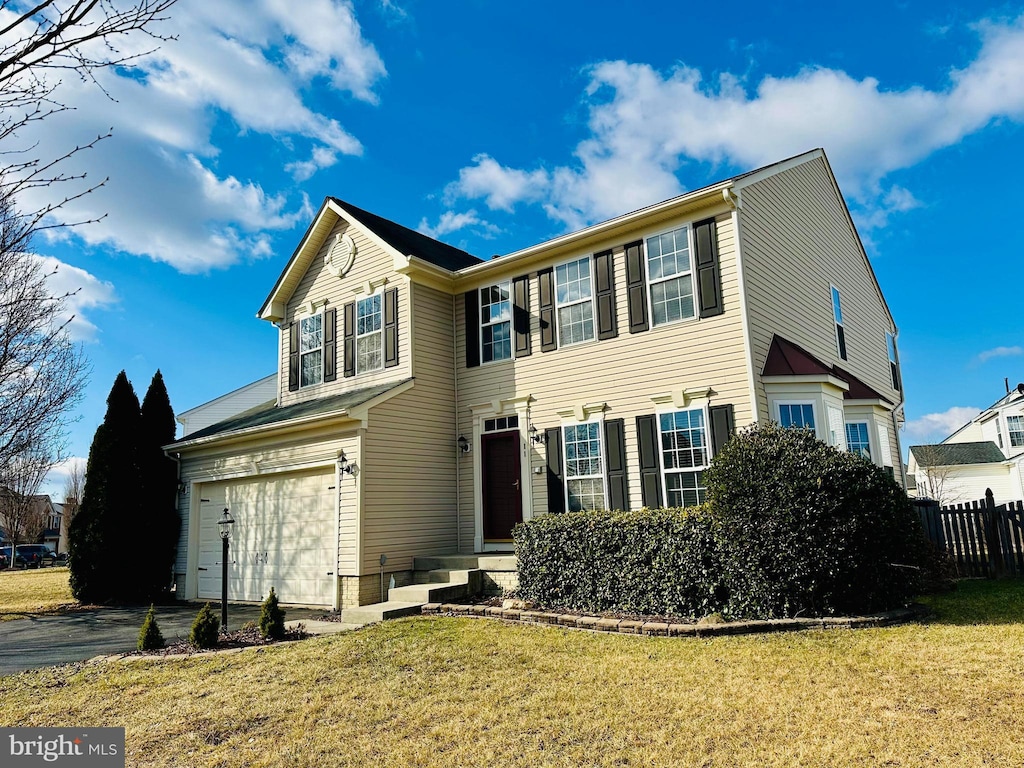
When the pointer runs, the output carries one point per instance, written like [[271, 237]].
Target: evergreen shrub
[[272, 617], [205, 629], [804, 528], [652, 561], [150, 638]]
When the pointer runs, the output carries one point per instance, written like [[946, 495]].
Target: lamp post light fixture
[[225, 523]]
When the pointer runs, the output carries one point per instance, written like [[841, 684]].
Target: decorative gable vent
[[341, 255]]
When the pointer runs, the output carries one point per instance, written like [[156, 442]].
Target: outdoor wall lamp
[[463, 444], [182, 487], [537, 437], [343, 464]]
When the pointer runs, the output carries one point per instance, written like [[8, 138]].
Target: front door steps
[[440, 579]]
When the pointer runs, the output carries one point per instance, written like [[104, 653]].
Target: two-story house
[[428, 401], [986, 453]]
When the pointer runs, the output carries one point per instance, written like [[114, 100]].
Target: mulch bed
[[246, 637]]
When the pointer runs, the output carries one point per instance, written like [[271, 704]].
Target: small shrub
[[205, 629], [804, 528], [272, 617], [150, 638]]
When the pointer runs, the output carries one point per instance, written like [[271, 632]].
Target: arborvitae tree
[[272, 617], [159, 475], [205, 629], [149, 635], [101, 537]]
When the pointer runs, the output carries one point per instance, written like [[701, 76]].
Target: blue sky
[[493, 126]]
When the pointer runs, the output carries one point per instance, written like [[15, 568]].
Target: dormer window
[[311, 349]]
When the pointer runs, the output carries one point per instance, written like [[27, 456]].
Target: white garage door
[[283, 537]]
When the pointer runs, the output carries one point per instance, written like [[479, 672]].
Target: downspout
[[902, 400], [455, 437]]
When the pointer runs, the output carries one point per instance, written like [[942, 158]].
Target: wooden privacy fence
[[982, 539]]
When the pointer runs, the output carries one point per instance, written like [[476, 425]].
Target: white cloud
[[55, 480], [453, 222], [935, 427], [172, 194], [988, 354], [644, 125], [88, 292]]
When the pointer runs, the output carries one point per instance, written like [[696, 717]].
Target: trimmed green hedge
[[658, 562], [791, 527]]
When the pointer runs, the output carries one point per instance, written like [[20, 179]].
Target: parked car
[[5, 560], [35, 555]]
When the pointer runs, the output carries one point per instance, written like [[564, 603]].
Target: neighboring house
[[254, 395], [429, 400], [39, 521], [986, 453]]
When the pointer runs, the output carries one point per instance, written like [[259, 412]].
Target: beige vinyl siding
[[797, 243], [229, 405], [372, 263], [410, 453], [976, 432], [269, 456], [623, 372]]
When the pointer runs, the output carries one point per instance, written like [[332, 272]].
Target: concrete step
[[392, 609], [485, 562], [441, 586]]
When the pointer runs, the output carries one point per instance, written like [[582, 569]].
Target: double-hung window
[[857, 440], [495, 323], [684, 456], [584, 466], [311, 350], [574, 298], [837, 313], [797, 415], [670, 276], [1015, 426], [369, 334]]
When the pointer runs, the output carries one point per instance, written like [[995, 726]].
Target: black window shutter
[[556, 485], [723, 426], [330, 345], [650, 466], [348, 313], [391, 328], [293, 357], [521, 315], [636, 287], [607, 325], [548, 339], [709, 281], [472, 321], [841, 340], [615, 457]]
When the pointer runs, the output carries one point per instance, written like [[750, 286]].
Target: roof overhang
[[597, 235], [808, 378]]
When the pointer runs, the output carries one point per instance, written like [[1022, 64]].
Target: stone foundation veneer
[[365, 590]]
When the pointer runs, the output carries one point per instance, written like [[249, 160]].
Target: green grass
[[33, 592], [463, 692]]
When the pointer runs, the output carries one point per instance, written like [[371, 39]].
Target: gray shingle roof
[[948, 454], [270, 414]]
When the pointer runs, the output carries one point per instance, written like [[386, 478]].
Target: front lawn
[[31, 592], [464, 692]]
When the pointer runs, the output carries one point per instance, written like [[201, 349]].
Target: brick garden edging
[[663, 629]]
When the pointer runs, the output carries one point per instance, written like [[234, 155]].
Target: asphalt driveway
[[63, 638]]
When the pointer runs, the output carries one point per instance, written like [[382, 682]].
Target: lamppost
[[225, 523]]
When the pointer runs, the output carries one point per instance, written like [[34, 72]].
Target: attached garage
[[285, 536]]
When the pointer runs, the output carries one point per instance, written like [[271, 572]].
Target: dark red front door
[[503, 499]]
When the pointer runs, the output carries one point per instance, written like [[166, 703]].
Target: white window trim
[[313, 314], [511, 314], [1010, 432], [379, 331], [650, 283], [709, 448], [589, 300], [565, 459], [836, 427]]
